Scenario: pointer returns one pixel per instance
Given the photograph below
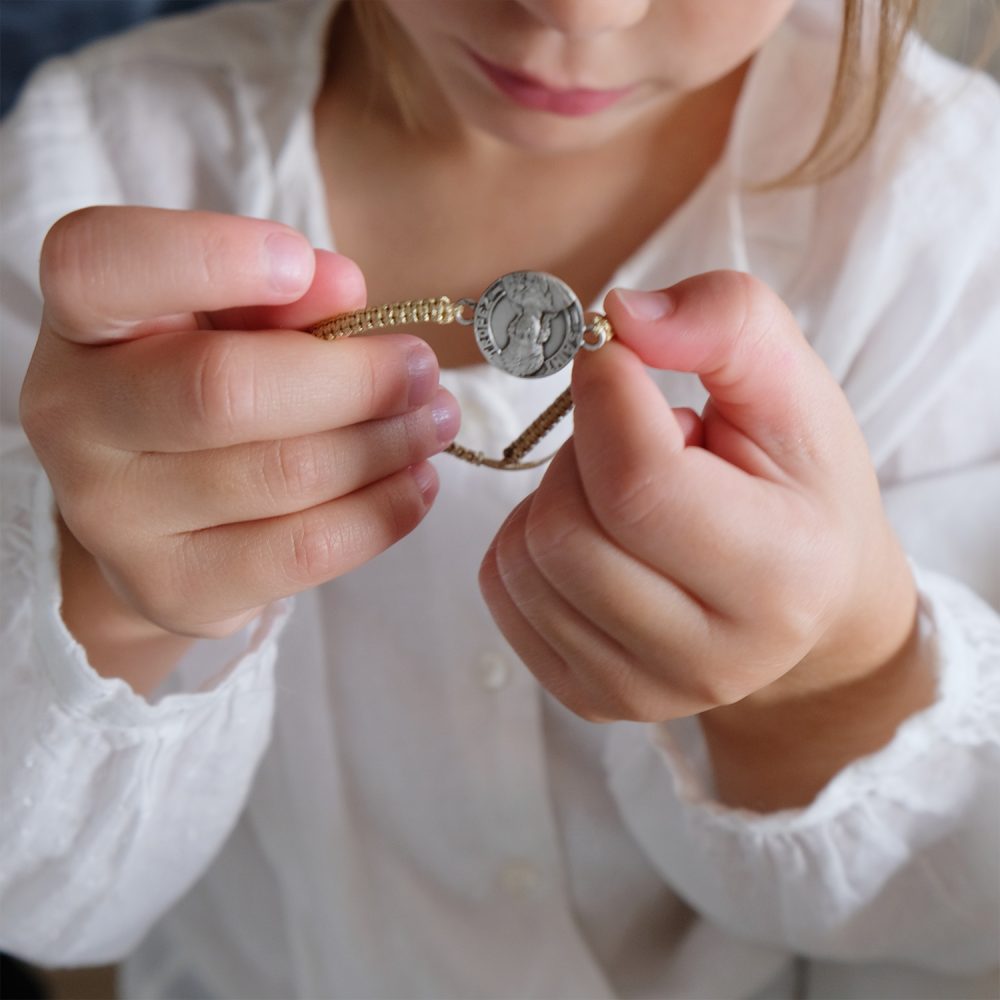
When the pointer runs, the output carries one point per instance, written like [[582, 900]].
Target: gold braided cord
[[516, 451], [440, 310], [539, 427]]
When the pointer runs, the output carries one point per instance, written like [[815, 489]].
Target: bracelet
[[527, 323]]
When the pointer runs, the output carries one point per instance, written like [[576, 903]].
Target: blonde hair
[[866, 67], [871, 45]]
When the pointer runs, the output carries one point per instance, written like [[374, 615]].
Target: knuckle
[[746, 318], [589, 713], [160, 603], [380, 380], [124, 539], [178, 589], [416, 439], [609, 688], [170, 582], [801, 585], [755, 308], [317, 545], [389, 445], [714, 688], [59, 397], [739, 287], [88, 486], [541, 547], [404, 508], [213, 258], [636, 704], [40, 412], [549, 533], [65, 242], [362, 386], [212, 630], [397, 510], [85, 511], [569, 694], [73, 262], [326, 543], [296, 468], [635, 502], [718, 672], [629, 694], [222, 391]]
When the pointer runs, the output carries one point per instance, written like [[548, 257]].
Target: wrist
[[872, 627], [780, 746], [119, 642], [780, 755]]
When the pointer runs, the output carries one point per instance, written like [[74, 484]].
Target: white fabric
[[374, 798]]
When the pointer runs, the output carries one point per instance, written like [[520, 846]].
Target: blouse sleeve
[[110, 806], [898, 857]]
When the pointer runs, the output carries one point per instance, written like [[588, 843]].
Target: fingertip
[[426, 477], [490, 575], [341, 278], [487, 576], [446, 415], [638, 319], [640, 306], [690, 326], [690, 425], [290, 262], [335, 285]]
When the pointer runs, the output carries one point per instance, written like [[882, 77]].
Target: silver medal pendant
[[529, 323]]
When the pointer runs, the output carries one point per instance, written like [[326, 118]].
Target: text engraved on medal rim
[[528, 323]]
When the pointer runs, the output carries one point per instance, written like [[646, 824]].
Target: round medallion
[[528, 323]]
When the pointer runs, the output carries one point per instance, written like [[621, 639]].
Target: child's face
[[560, 75]]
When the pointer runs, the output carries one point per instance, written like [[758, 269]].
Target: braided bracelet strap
[[442, 310]]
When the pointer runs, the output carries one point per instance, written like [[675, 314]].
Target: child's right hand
[[206, 455]]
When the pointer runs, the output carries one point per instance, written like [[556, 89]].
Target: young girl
[[763, 558]]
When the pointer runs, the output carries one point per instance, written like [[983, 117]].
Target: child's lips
[[538, 96]]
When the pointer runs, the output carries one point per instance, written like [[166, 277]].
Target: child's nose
[[588, 17]]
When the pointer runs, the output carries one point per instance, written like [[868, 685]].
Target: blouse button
[[494, 671]]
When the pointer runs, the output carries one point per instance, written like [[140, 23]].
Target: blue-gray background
[[33, 30]]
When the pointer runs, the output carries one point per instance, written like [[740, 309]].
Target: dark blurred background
[[33, 30]]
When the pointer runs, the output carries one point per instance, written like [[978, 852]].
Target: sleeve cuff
[[211, 671], [894, 860], [960, 634]]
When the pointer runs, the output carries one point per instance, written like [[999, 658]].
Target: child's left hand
[[670, 564]]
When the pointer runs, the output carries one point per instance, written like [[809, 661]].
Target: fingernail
[[427, 481], [423, 368], [446, 416], [645, 306], [290, 262]]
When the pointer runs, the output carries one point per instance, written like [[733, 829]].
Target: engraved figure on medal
[[529, 323]]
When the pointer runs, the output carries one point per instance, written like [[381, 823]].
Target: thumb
[[765, 380]]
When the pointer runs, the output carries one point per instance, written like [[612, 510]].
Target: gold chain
[[442, 310]]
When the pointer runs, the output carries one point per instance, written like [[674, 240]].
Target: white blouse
[[365, 794]]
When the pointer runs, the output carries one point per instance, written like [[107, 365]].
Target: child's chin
[[546, 134]]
